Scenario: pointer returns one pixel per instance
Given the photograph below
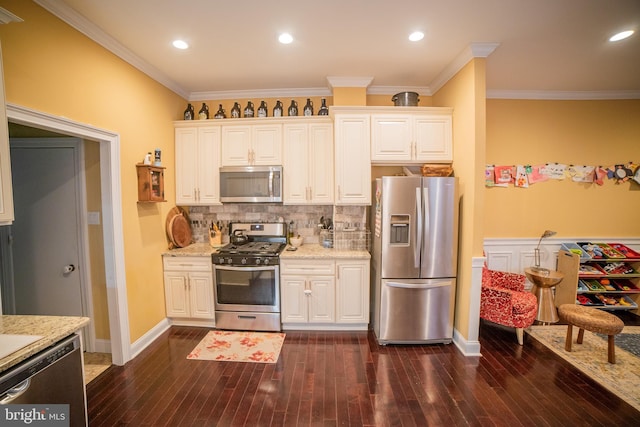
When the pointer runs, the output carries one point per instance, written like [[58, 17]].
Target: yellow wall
[[465, 92], [51, 67], [570, 132]]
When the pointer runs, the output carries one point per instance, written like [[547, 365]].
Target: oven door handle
[[244, 268]]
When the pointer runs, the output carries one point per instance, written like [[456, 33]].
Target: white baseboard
[[468, 347], [102, 346], [144, 341]]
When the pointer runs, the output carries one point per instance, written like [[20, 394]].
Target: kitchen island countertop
[[51, 328], [315, 251]]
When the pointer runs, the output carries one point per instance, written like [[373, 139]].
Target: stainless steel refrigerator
[[414, 258]]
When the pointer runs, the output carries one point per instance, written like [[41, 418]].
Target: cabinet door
[[208, 189], [236, 145], [266, 144], [352, 292], [293, 300], [433, 138], [296, 164], [321, 163], [321, 299], [186, 146], [201, 295], [175, 293], [391, 138], [352, 160]]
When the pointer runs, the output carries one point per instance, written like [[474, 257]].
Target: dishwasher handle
[[15, 392]]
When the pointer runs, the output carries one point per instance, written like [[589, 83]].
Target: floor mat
[[260, 347]]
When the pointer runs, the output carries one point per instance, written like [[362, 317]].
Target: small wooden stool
[[593, 320]]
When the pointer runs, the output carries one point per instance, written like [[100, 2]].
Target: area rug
[[232, 346], [590, 357]]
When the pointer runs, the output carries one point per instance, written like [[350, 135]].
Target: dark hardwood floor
[[347, 379]]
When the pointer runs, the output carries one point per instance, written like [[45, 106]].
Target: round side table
[[544, 281]]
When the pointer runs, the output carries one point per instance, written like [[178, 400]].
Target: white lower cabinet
[[324, 294], [188, 287], [307, 291], [352, 296]]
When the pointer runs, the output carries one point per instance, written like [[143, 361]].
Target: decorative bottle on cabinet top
[[262, 110], [220, 114], [323, 111], [293, 108], [249, 110], [189, 113], [235, 111], [203, 114], [308, 108], [277, 110]]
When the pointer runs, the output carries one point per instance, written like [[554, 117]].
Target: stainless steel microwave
[[251, 184]]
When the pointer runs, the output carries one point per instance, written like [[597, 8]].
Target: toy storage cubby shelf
[[598, 282]]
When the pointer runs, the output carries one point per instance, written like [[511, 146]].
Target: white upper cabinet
[[252, 144], [308, 163], [412, 137], [197, 165], [352, 159]]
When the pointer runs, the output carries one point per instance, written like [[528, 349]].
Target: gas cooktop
[[253, 248]]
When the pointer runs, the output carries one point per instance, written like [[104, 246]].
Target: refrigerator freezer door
[[400, 244], [416, 311], [439, 252]]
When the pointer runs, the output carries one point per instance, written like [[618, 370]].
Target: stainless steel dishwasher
[[53, 376]]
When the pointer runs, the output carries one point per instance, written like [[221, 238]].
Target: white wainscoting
[[514, 255]]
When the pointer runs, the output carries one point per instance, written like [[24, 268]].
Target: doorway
[[113, 236], [49, 235]]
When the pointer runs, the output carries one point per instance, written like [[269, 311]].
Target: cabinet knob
[[307, 292]]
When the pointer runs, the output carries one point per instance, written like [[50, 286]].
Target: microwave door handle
[[418, 240], [271, 184]]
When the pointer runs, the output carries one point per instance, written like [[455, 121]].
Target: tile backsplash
[[305, 218]]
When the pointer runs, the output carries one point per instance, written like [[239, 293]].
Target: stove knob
[[229, 261], [244, 261], [266, 261], [258, 261]]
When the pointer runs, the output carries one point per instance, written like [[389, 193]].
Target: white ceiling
[[543, 48]]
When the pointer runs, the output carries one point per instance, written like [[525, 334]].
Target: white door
[[46, 252]]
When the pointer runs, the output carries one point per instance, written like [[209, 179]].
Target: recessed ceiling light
[[285, 38], [621, 36], [416, 36], [180, 44]]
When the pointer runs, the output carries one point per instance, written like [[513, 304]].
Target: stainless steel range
[[246, 277]]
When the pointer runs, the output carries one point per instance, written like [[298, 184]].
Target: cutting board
[[178, 228], [11, 343]]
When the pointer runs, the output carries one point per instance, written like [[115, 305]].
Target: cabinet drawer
[[308, 267], [187, 263]]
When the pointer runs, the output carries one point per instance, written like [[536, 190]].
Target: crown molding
[[392, 90], [86, 27], [7, 17], [339, 81], [260, 93], [474, 50], [563, 95]]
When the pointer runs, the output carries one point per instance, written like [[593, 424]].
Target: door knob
[[69, 268]]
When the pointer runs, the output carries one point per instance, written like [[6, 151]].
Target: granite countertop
[[194, 249], [51, 328], [314, 250]]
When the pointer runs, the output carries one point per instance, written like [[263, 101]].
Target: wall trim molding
[[469, 348], [149, 337]]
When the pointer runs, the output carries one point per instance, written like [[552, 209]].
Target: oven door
[[254, 289]]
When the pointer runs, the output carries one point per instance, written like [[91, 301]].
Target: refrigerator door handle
[[418, 285], [418, 240], [425, 203]]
